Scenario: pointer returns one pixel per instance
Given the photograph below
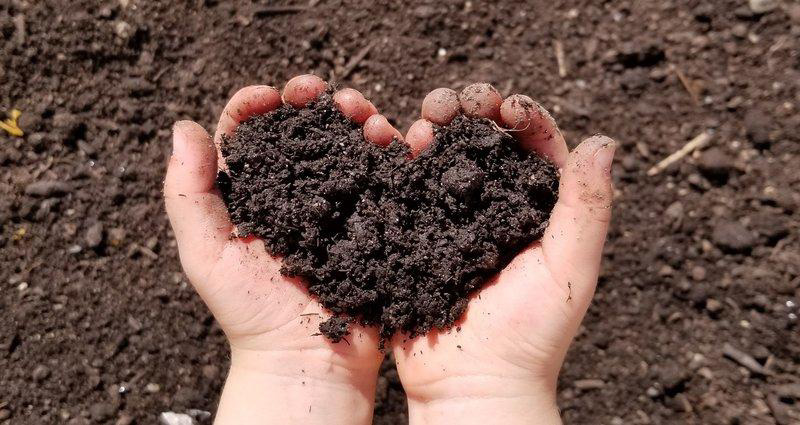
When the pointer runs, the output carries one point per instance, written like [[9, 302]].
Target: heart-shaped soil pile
[[380, 238]]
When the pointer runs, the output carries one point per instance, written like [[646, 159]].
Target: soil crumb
[[382, 239]]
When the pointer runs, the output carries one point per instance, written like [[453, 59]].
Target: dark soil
[[382, 239], [92, 298]]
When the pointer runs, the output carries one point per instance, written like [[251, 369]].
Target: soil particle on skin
[[383, 239]]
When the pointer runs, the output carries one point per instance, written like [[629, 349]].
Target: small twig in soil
[[689, 85], [561, 59], [310, 314], [569, 296], [744, 359], [698, 142], [356, 60]]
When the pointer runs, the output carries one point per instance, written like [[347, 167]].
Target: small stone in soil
[[40, 373], [715, 164], [172, 418], [94, 235], [733, 237]]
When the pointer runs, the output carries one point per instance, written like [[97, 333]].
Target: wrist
[[310, 386], [481, 399]]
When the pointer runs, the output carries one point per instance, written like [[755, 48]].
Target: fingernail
[[179, 139], [604, 155]]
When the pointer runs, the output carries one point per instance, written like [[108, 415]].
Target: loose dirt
[[383, 239]]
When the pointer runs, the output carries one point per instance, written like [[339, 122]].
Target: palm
[[261, 309], [518, 321]]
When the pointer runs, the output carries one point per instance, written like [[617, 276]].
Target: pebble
[[124, 420], [675, 210], [713, 306], [172, 418], [715, 164], [123, 30], [4, 414], [732, 236], [653, 392], [94, 235], [152, 388], [739, 31], [116, 236], [699, 273], [48, 188], [40, 373], [199, 415], [674, 378], [762, 6], [705, 372]]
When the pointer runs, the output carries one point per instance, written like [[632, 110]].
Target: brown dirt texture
[[695, 316]]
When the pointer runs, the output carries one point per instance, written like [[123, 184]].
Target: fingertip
[[378, 130], [353, 105], [598, 151], [193, 165], [481, 100], [301, 90], [586, 178], [534, 127], [245, 103], [190, 139], [440, 106], [419, 136]]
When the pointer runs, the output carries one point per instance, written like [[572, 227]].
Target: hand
[[278, 369], [500, 362]]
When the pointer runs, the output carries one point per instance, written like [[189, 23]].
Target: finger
[[195, 209], [245, 103], [419, 136], [440, 106], [303, 89], [353, 105], [481, 100], [573, 242], [378, 130], [534, 128]]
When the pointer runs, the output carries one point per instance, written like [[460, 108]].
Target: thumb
[[573, 242], [196, 211]]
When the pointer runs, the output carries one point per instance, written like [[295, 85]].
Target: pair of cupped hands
[[502, 363]]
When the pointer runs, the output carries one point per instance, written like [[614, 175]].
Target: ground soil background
[[98, 324]]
